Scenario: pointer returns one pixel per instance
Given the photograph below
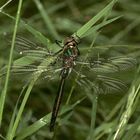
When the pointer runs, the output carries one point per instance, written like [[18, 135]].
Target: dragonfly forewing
[[26, 47]]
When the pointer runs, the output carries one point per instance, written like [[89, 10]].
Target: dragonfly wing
[[26, 47], [46, 71], [123, 62], [109, 65], [99, 71], [102, 84]]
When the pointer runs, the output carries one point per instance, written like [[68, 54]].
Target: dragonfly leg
[[47, 49], [78, 50], [57, 58], [59, 43]]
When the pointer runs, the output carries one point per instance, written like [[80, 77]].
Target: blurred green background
[[67, 16]]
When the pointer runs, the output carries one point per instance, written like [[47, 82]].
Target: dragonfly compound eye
[[68, 40]]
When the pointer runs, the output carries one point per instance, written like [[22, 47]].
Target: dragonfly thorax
[[70, 53]]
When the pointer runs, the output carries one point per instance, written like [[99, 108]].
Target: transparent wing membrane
[[109, 65], [95, 67], [26, 47], [99, 70], [102, 84]]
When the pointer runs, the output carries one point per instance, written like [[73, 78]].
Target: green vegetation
[[101, 95]]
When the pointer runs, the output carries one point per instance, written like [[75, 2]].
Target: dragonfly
[[68, 58], [69, 54]]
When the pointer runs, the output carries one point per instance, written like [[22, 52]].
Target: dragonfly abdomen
[[57, 103]]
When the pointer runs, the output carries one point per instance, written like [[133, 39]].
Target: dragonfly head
[[71, 41]]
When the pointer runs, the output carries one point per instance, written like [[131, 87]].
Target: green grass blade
[[52, 47], [3, 6], [130, 107], [2, 138], [131, 132], [47, 19], [14, 112], [92, 21], [93, 116], [38, 35], [124, 32], [33, 128], [3, 95], [42, 122], [99, 26], [115, 110], [103, 129], [15, 125]]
